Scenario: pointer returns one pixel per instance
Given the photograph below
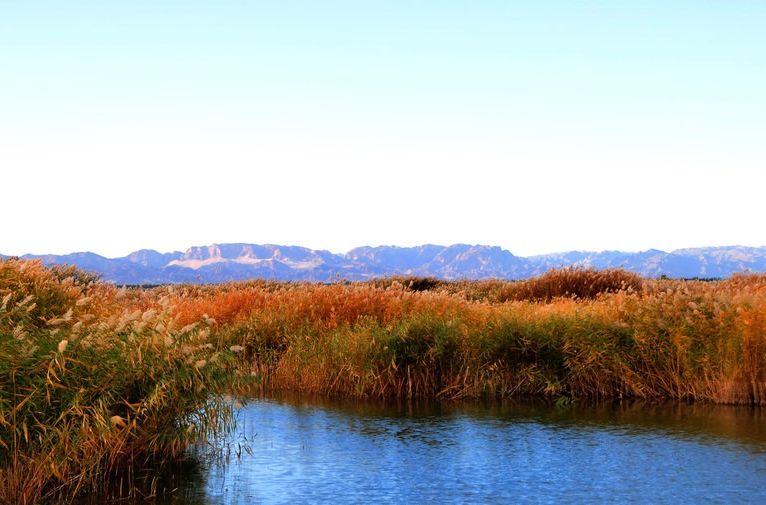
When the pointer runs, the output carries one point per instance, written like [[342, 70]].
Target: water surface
[[299, 450]]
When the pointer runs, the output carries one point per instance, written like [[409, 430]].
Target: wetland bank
[[99, 382]]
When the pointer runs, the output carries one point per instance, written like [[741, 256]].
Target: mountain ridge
[[216, 263]]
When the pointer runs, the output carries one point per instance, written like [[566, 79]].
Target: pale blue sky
[[537, 126]]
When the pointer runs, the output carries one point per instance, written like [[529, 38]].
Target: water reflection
[[315, 450], [745, 425]]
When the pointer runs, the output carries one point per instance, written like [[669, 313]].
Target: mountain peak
[[239, 261]]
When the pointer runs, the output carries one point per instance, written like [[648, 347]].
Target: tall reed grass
[[94, 385], [574, 333]]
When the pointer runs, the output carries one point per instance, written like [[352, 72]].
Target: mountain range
[[229, 262]]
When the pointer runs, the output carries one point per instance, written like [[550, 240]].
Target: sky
[[536, 126]]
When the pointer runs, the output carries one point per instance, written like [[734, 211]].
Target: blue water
[[316, 451]]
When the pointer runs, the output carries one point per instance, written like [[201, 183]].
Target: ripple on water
[[320, 451]]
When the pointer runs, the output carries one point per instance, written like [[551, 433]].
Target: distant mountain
[[458, 261], [228, 262]]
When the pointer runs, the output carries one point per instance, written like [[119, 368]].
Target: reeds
[[567, 282], [574, 333], [93, 386], [98, 382]]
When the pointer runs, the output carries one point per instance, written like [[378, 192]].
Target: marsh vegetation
[[98, 381]]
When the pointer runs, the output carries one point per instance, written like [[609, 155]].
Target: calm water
[[303, 451]]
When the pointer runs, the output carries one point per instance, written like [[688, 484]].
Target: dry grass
[[562, 283], [572, 332], [95, 383]]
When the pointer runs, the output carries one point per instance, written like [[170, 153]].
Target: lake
[[302, 450]]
